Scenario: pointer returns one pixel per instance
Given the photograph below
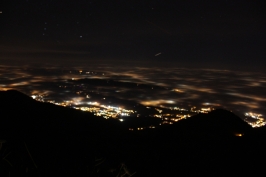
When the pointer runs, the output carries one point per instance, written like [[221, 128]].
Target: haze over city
[[188, 54], [164, 87]]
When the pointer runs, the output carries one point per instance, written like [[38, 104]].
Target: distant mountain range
[[42, 139]]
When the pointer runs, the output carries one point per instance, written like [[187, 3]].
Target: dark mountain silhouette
[[42, 139], [216, 123], [23, 113]]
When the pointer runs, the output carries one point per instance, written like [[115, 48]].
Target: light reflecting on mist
[[236, 91]]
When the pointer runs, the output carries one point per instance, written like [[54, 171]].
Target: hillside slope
[[41, 139]]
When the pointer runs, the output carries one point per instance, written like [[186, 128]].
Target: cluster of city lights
[[38, 97], [170, 120], [107, 111], [257, 120], [204, 110]]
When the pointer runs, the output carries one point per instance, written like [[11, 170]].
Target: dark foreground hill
[[41, 139]]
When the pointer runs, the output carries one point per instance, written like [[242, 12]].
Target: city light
[[254, 119], [117, 112]]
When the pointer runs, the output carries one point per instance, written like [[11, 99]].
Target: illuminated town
[[165, 115], [254, 119], [143, 92]]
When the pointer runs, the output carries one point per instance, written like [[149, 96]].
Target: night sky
[[212, 34]]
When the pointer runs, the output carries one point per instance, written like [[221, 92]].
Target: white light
[[121, 120]]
